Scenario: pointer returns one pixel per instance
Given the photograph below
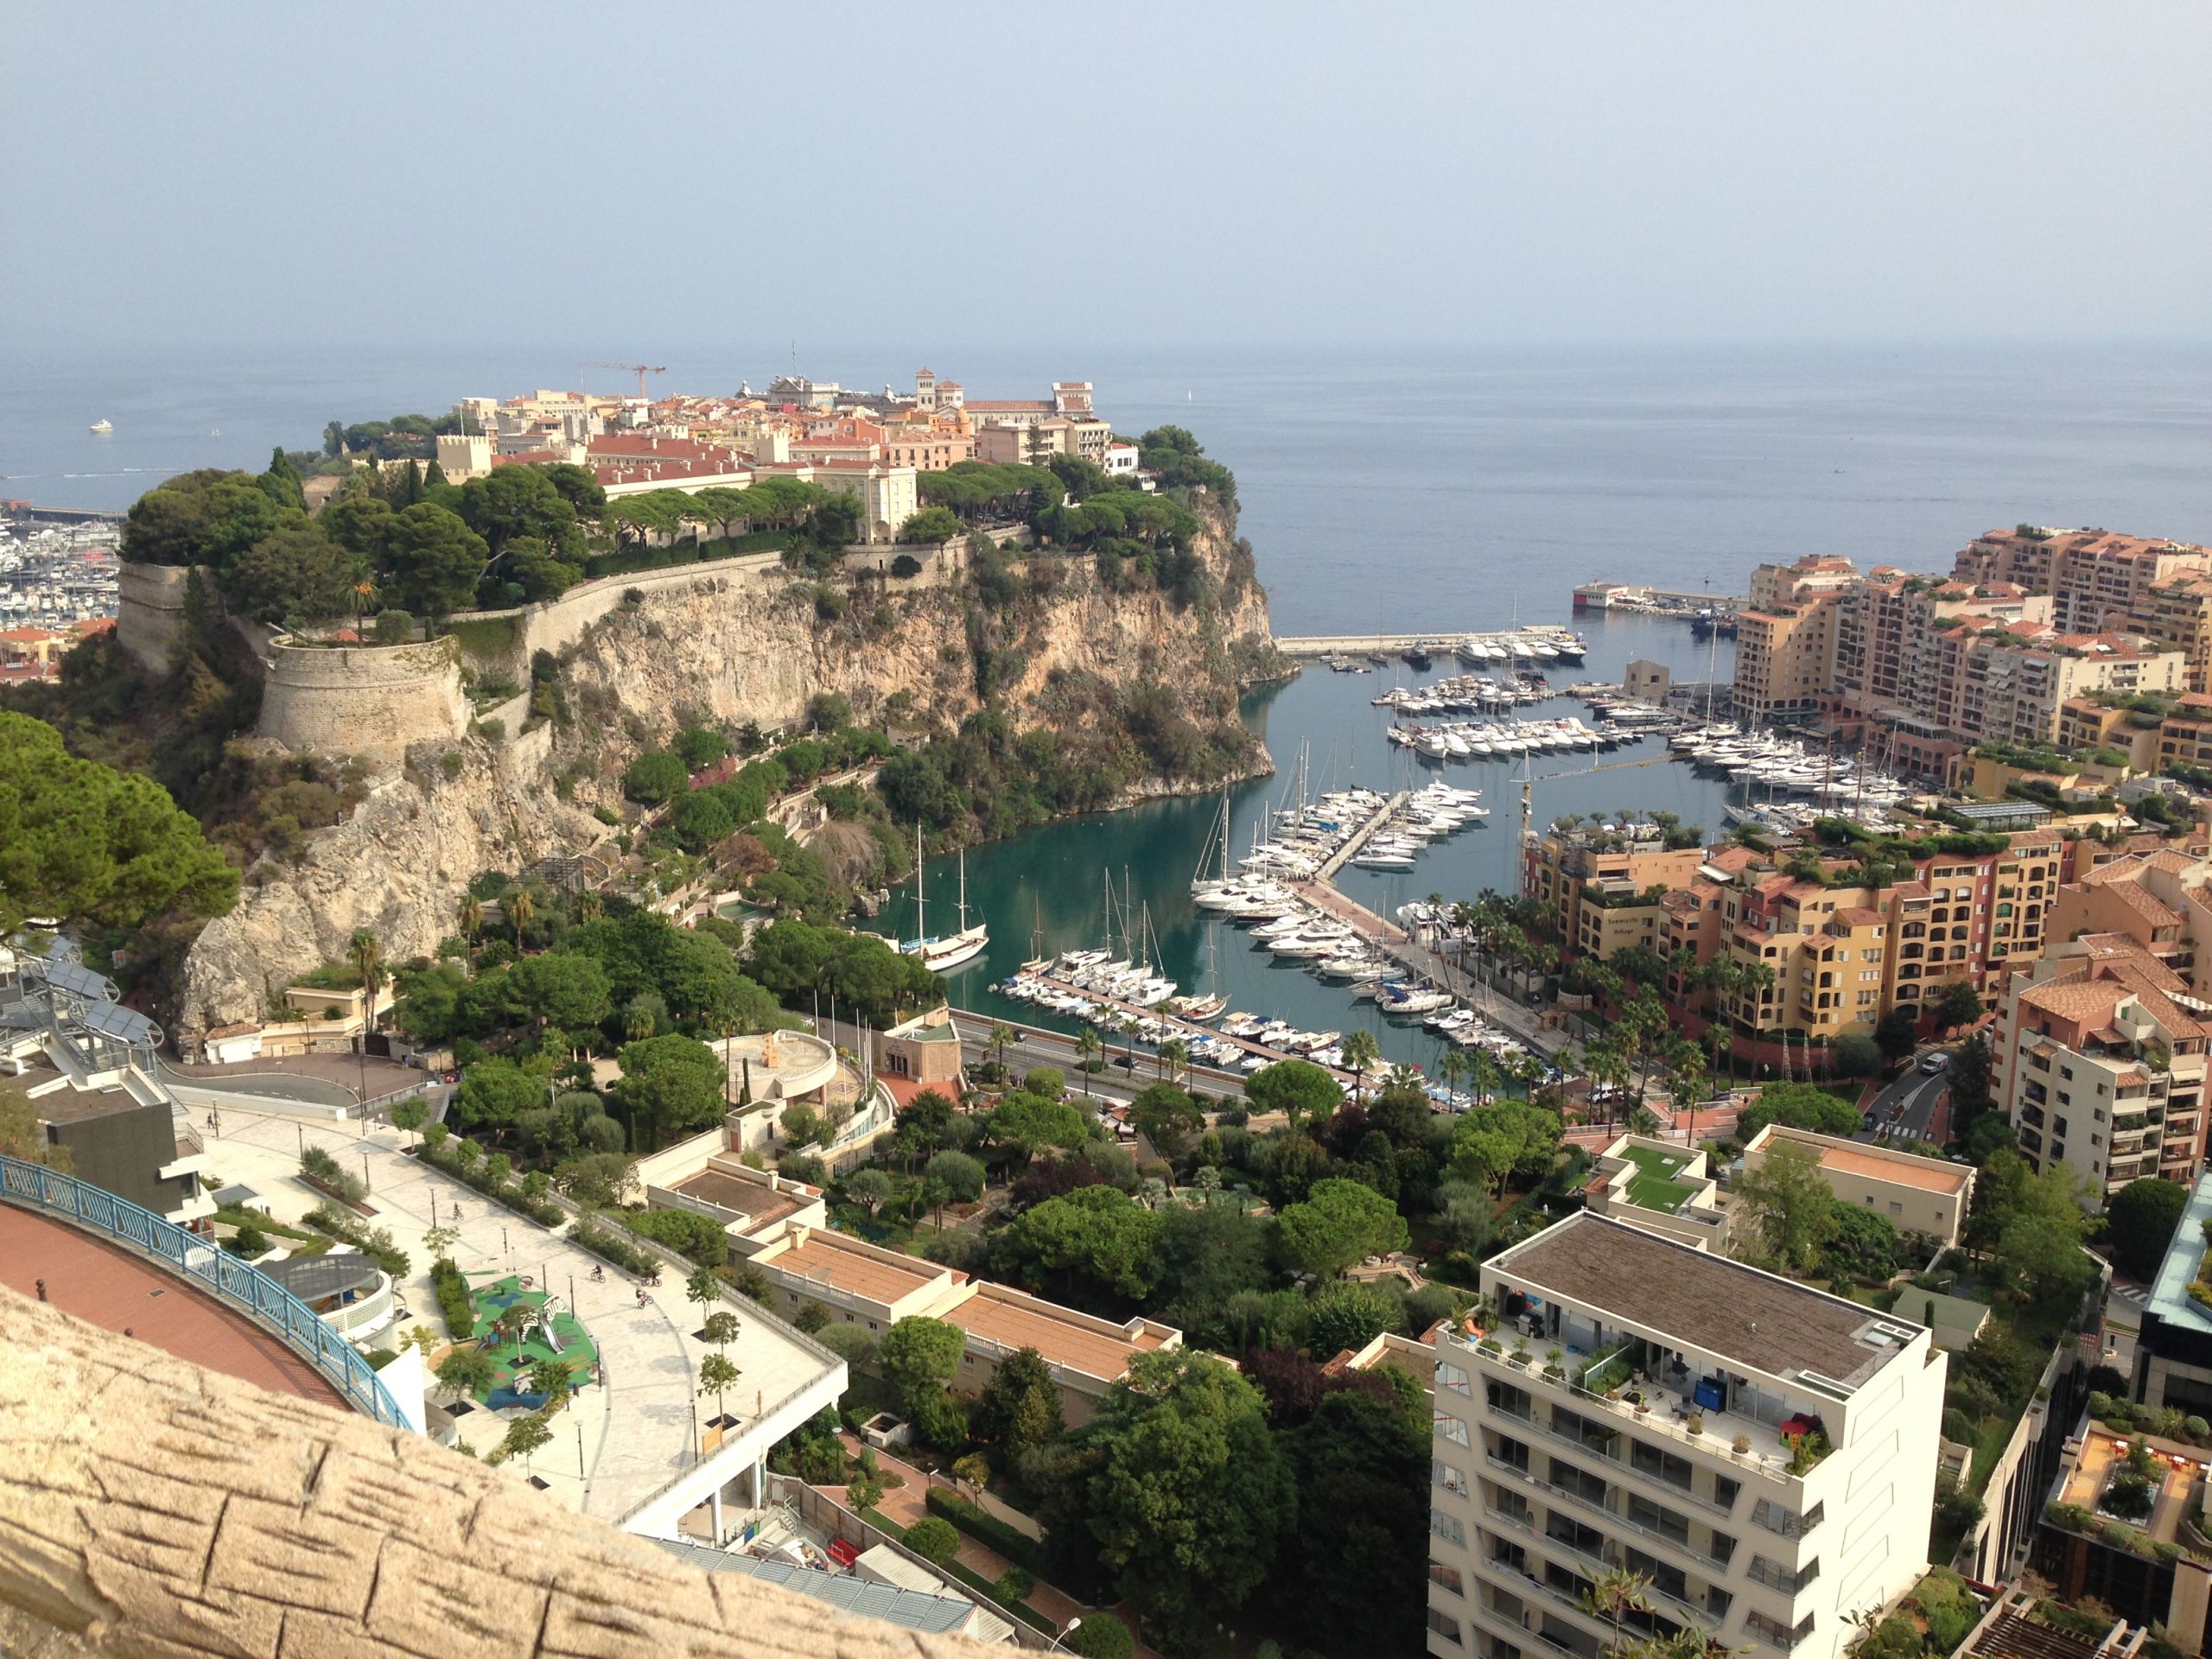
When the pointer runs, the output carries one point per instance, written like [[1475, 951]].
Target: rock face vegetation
[[989, 688]]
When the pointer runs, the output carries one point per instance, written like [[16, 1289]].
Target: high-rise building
[[2096, 580], [1764, 1453]]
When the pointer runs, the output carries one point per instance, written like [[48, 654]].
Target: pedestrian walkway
[[618, 1442]]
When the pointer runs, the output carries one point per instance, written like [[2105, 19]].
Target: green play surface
[[568, 1343]]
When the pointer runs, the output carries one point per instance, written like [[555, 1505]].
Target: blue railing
[[237, 1282]]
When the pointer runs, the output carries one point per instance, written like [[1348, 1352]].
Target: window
[[1449, 1577], [1775, 1633], [1452, 1480], [1445, 1625], [1448, 1376], [1448, 1528], [1449, 1427], [1505, 1397], [1578, 1484], [1598, 1437], [1512, 1453], [1658, 1517], [1648, 1459], [1762, 1571], [1725, 1489]]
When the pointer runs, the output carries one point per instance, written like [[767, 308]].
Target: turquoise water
[[1045, 893]]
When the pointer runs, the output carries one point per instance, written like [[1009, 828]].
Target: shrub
[[985, 1528], [613, 1247], [905, 565], [374, 1243], [394, 627], [490, 1178], [933, 1540], [1103, 1635], [451, 762], [250, 1241], [1014, 1584], [451, 1291], [333, 1177], [697, 1236]]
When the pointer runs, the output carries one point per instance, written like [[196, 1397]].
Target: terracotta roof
[[2079, 1000]]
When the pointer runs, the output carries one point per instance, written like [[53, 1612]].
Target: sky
[[1263, 173]]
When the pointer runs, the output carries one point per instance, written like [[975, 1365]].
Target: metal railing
[[237, 1282]]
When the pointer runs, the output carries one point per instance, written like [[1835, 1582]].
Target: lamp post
[[1070, 1630], [364, 1171]]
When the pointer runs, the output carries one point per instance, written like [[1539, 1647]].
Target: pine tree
[[435, 478], [410, 484]]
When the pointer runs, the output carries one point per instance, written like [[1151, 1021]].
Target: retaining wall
[[557, 624], [363, 699]]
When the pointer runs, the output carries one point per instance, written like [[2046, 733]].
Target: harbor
[[1041, 895]]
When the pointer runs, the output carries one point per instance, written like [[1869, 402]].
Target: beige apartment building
[[2178, 613], [1599, 879], [2100, 1068], [1658, 1441], [2097, 579], [1785, 642], [1919, 1195]]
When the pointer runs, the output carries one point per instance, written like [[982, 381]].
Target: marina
[[1040, 895]]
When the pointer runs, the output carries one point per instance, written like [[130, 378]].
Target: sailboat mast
[[963, 889], [921, 897]]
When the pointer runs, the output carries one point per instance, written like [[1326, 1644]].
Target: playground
[[543, 1328]]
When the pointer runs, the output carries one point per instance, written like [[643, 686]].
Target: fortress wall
[[149, 616], [363, 699]]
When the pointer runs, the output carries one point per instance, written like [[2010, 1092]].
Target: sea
[[1382, 491]]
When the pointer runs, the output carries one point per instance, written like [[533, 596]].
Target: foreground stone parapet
[[150, 1508]]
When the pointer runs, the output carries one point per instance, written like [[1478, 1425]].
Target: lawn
[[1654, 1186]]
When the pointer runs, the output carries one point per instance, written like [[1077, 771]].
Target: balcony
[[1664, 1422]]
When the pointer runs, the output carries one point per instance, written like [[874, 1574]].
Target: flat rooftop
[[1902, 1168], [1020, 1323], [120, 1291], [1707, 1302], [753, 1200], [2170, 1297], [853, 1271]]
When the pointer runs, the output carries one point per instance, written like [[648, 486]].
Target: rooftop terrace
[[1012, 1320], [1759, 1320]]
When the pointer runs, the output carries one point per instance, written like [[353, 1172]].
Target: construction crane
[[1529, 780], [641, 370]]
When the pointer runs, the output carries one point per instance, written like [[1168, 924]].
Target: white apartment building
[[1548, 1472]]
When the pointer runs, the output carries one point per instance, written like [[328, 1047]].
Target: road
[[1906, 1108], [1033, 1047]]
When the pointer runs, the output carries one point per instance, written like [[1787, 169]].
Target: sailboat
[[955, 949]]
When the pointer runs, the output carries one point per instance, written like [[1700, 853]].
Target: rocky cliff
[[729, 649]]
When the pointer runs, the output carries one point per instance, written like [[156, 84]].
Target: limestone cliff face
[[731, 648]]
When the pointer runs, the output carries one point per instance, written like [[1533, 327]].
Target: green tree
[[1501, 1139], [1100, 1635], [717, 1376], [560, 989], [932, 525], [1361, 1050], [956, 1175], [871, 1189], [435, 560], [1025, 1122], [654, 777], [919, 1355], [1302, 1091], [554, 1379], [1961, 1005], [933, 1539], [1353, 1570], [1897, 1032], [1192, 1496], [1347, 1314], [295, 573], [82, 843], [668, 1083], [525, 1437], [1097, 1233], [2140, 1223], [1340, 1222], [1019, 1410], [1864, 1245], [1165, 1116], [1785, 1207], [1797, 1106], [467, 1370]]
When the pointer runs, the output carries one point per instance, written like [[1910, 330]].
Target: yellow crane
[[641, 369]]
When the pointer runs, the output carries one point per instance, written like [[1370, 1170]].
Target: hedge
[[985, 1528], [544, 1212], [375, 1243], [983, 1587], [451, 1291], [701, 1238], [612, 1246]]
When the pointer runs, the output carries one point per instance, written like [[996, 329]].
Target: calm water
[[1439, 493], [1050, 885], [1412, 492]]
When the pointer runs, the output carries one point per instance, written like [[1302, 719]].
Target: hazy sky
[[1188, 172]]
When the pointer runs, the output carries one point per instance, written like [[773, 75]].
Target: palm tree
[[1176, 1054], [1087, 1049], [1361, 1053], [1486, 1077], [470, 915], [589, 905], [1001, 1039], [637, 1022], [1613, 1596], [1452, 1068], [367, 956]]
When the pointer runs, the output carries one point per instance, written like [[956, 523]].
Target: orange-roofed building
[[2098, 1058]]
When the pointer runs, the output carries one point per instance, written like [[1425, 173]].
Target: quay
[[1186, 1028], [1360, 836]]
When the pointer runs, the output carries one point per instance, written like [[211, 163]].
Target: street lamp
[[1072, 1624], [364, 1171]]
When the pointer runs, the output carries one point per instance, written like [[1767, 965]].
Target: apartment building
[[2100, 1068], [1895, 649], [2097, 579], [1764, 1453], [1785, 641], [2014, 683], [1599, 879], [2155, 898], [2178, 613], [1838, 958], [1919, 1195], [2184, 734]]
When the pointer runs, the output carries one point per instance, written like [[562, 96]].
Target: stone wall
[[149, 614], [150, 1508], [557, 624], [363, 699]]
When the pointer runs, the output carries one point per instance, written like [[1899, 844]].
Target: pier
[[1360, 836]]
